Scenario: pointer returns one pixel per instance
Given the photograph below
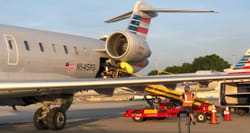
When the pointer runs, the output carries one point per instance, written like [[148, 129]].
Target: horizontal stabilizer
[[121, 17], [154, 11], [176, 11]]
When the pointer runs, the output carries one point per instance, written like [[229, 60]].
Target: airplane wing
[[30, 88]]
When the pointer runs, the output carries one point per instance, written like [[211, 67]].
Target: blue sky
[[173, 38]]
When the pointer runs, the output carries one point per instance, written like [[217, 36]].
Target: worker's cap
[[186, 88]]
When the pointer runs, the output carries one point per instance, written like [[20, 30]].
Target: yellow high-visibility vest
[[127, 67]]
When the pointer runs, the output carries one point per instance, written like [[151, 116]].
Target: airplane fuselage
[[27, 54]]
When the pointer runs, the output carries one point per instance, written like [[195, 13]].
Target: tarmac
[[107, 117]]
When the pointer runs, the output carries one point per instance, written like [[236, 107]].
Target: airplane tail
[[142, 14], [243, 66]]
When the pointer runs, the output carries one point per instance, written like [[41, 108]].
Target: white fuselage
[[27, 54]]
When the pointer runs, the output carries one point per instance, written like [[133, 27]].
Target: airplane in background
[[242, 67], [44, 67], [211, 89]]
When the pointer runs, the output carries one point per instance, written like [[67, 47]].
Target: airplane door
[[12, 49]]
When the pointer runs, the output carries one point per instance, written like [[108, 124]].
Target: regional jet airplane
[[41, 67]]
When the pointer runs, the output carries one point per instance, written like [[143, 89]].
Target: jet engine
[[126, 46]]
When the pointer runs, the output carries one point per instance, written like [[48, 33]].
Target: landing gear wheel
[[39, 124], [56, 119], [201, 117]]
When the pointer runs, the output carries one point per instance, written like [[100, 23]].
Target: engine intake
[[127, 46]]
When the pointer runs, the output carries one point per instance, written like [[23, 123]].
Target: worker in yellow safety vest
[[127, 69], [187, 102]]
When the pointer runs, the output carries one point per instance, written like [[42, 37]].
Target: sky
[[174, 38]]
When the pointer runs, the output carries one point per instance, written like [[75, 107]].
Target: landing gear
[[39, 122], [54, 119]]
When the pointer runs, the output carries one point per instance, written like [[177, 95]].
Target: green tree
[[153, 72], [184, 68], [210, 62]]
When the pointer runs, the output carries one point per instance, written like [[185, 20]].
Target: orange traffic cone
[[227, 116], [213, 116]]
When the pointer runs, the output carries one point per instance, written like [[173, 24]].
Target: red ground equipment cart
[[163, 110]]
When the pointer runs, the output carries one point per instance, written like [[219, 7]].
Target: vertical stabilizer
[[142, 14], [139, 20], [243, 65], [244, 62]]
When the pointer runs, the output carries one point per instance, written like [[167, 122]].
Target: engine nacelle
[[126, 46]]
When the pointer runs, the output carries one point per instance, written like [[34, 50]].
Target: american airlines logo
[[139, 25]]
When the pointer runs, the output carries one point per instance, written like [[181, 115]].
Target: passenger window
[[41, 47], [75, 49], [26, 45], [10, 44], [65, 49], [54, 48]]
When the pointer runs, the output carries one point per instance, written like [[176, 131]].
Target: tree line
[[211, 62]]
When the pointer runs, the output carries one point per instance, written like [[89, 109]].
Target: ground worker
[[187, 102], [126, 68], [106, 69]]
